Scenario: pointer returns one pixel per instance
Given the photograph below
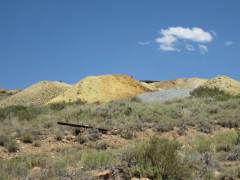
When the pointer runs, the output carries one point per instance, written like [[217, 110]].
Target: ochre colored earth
[[100, 89]]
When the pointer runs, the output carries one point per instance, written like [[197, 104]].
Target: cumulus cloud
[[213, 33], [202, 48], [189, 47], [169, 38], [228, 43], [144, 43]]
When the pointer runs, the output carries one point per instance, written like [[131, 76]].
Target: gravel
[[164, 95]]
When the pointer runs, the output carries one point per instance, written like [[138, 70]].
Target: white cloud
[[203, 48], [189, 47], [173, 35], [228, 43], [213, 33], [144, 43]]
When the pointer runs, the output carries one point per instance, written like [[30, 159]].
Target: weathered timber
[[102, 130], [149, 81]]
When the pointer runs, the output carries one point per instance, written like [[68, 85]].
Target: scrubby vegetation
[[212, 92], [157, 159], [193, 137]]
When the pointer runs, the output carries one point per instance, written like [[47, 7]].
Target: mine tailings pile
[[101, 89], [37, 94], [223, 83]]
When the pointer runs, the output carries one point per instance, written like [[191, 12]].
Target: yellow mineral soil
[[150, 86], [223, 83], [181, 83], [100, 89], [37, 94]]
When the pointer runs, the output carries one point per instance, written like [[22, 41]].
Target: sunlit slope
[[101, 89], [37, 94]]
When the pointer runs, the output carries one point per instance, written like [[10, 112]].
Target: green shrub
[[203, 144], [81, 139], [21, 112], [93, 135], [57, 106], [101, 146], [12, 146], [156, 159], [229, 138], [3, 140], [205, 127], [136, 99], [37, 144], [223, 147], [27, 137], [93, 159], [235, 154], [59, 135], [164, 127], [127, 134], [211, 92]]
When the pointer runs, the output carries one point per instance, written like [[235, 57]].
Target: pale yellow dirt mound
[[150, 86], [223, 83], [181, 83], [37, 94], [102, 89]]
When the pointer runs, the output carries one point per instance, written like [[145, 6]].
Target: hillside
[[103, 88], [7, 93], [37, 94], [223, 83], [180, 83]]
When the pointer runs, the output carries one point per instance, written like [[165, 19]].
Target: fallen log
[[102, 130]]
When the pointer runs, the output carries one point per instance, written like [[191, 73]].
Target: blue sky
[[68, 40]]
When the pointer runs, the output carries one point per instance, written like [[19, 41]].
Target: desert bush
[[223, 147], [37, 144], [48, 124], [3, 140], [93, 135], [135, 99], [233, 123], [229, 138], [20, 112], [230, 173], [211, 92], [156, 159], [127, 134], [27, 137], [12, 146], [205, 127], [182, 130], [57, 106], [92, 159], [81, 139], [164, 127], [235, 154], [101, 146], [59, 135], [203, 144], [15, 167]]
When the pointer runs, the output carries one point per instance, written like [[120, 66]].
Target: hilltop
[[104, 88], [223, 83], [37, 94], [180, 83]]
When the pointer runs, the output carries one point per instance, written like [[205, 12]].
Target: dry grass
[[74, 156]]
